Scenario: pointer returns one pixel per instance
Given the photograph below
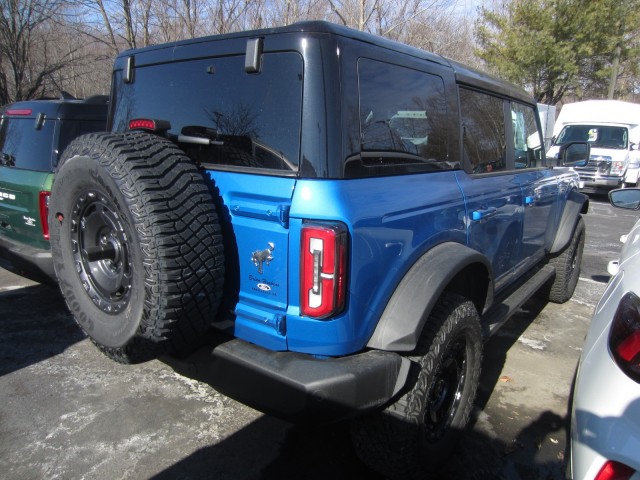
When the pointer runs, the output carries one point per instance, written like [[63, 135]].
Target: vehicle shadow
[[34, 325], [316, 452], [325, 452], [480, 456]]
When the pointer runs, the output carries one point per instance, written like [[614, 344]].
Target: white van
[[612, 128]]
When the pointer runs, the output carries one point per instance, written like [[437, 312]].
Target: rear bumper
[[297, 387], [27, 261]]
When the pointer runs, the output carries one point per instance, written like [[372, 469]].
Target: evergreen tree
[[556, 47]]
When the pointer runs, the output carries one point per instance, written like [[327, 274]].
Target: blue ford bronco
[[354, 216]]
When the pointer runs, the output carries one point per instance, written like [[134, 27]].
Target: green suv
[[33, 135]]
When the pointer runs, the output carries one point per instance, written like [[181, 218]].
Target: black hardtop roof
[[316, 26], [465, 75], [94, 107]]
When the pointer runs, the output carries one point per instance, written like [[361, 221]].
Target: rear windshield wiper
[[199, 135]]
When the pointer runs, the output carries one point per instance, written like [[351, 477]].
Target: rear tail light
[[324, 269], [624, 338], [44, 213], [614, 471]]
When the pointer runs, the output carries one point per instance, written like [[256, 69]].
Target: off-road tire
[[567, 264], [410, 439], [136, 244]]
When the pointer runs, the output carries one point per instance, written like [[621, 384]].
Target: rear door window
[[70, 129], [483, 131], [26, 147]]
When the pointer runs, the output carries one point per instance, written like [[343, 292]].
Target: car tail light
[[323, 269], [624, 338], [44, 213], [615, 471], [149, 124]]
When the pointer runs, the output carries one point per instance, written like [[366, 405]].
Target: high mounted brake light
[[624, 338], [149, 124], [19, 111], [323, 269]]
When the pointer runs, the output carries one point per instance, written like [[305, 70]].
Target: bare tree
[[27, 28], [120, 24], [76, 52], [388, 18]]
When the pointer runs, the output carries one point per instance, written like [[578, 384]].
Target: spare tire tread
[[177, 227]]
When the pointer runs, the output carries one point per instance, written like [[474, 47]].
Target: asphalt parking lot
[[66, 411]]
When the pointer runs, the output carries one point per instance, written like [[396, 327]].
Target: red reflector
[[323, 269], [615, 471], [44, 213], [19, 111]]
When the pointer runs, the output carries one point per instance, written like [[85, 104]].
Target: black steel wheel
[[446, 392], [100, 249]]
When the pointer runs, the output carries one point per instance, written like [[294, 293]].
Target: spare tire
[[136, 244]]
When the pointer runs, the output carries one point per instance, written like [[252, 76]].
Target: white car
[[605, 422]]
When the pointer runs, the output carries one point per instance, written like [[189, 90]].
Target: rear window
[[253, 120], [23, 146]]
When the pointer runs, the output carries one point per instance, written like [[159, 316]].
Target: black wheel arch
[[577, 204], [447, 267]]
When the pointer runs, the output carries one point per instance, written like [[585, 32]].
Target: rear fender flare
[[448, 266]]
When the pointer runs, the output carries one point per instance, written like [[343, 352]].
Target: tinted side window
[[527, 139], [254, 120], [402, 122], [29, 148], [483, 131], [70, 129]]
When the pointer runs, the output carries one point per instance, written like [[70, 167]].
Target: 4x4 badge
[[260, 257]]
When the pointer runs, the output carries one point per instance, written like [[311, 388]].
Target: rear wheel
[[415, 435], [136, 244]]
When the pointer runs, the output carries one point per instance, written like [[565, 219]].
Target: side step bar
[[500, 312]]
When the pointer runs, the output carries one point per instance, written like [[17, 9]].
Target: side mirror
[[633, 147], [628, 198], [574, 154]]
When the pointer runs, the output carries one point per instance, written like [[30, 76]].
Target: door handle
[[480, 214]]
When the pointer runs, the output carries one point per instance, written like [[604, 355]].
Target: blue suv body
[[381, 210]]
